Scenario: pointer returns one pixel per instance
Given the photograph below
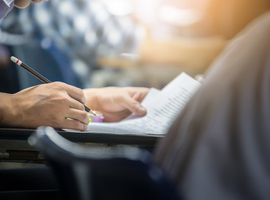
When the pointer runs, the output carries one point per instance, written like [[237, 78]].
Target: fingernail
[[141, 110]]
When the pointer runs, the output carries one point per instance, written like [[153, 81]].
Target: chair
[[84, 175]]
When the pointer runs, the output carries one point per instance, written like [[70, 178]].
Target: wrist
[[91, 98], [7, 110]]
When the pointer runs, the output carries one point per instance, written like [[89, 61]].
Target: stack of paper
[[162, 109]]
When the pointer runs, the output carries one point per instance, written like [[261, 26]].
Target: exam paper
[[162, 109]]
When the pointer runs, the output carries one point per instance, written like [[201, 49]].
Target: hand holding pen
[[47, 105], [39, 76]]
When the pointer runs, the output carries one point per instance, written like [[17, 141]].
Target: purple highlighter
[[98, 118]]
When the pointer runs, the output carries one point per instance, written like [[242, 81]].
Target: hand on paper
[[45, 105], [116, 103]]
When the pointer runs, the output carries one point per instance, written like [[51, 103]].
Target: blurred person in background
[[7, 5], [218, 147], [191, 34]]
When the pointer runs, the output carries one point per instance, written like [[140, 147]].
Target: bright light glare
[[178, 17], [64, 29], [43, 17], [66, 8], [80, 67], [102, 17], [114, 37], [90, 38], [95, 7], [81, 23], [119, 7]]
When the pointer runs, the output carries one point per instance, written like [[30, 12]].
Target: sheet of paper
[[162, 110]]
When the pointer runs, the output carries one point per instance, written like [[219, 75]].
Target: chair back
[[83, 174]]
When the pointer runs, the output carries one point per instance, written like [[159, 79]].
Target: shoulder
[[5, 7]]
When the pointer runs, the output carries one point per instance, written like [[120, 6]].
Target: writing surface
[[162, 109]]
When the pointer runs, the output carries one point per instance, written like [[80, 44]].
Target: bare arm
[[44, 105]]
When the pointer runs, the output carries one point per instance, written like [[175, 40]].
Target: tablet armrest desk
[[14, 145]]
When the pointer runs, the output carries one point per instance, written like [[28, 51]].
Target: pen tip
[[93, 112]]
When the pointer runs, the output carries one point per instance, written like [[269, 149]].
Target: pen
[[39, 76]]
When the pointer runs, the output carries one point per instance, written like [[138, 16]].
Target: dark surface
[[31, 184], [23, 134], [83, 175]]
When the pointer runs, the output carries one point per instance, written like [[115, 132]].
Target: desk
[[14, 145]]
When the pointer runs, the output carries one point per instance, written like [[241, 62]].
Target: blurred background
[[98, 43]]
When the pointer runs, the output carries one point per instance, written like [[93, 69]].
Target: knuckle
[[81, 107], [134, 104], [84, 127], [86, 118], [63, 99], [80, 126], [58, 84], [55, 84], [60, 99], [81, 95]]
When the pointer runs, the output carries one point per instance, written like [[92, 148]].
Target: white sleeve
[[8, 2], [5, 7]]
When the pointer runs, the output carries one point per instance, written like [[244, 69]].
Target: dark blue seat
[[83, 175]]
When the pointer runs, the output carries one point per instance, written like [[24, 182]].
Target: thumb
[[133, 105]]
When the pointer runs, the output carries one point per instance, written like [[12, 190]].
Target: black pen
[[39, 76]]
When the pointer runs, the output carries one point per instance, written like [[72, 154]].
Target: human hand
[[116, 103], [48, 105]]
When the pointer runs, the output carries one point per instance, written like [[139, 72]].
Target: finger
[[74, 92], [137, 97], [76, 104], [74, 124], [131, 104], [138, 93], [78, 115]]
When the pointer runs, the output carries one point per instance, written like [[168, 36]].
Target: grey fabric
[[219, 147], [4, 9]]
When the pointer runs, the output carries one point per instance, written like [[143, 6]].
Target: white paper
[[162, 109]]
